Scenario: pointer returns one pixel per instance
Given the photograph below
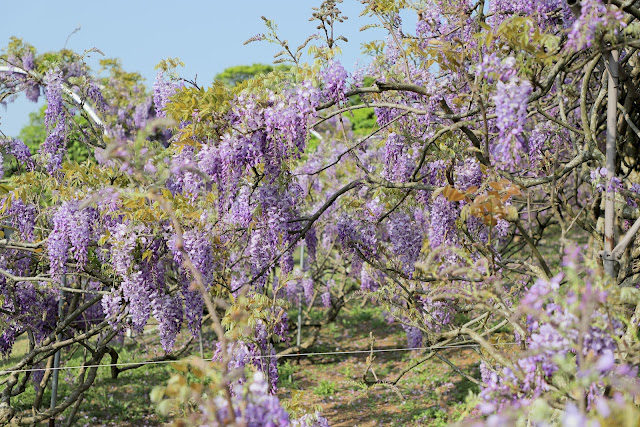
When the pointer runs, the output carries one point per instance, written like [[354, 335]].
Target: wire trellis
[[326, 353]]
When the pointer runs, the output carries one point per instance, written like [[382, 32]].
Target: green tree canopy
[[233, 75]]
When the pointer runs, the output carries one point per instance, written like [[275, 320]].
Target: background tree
[[233, 75]]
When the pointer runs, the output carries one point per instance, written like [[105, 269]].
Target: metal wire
[[326, 353]]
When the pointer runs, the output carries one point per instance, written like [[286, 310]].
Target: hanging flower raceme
[[19, 150], [406, 239], [594, 15], [72, 229], [334, 78], [53, 148], [511, 101], [162, 91]]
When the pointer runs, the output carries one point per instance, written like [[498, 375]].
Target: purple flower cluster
[[168, 312], [272, 234], [492, 68], [162, 92], [414, 336], [307, 289], [241, 210], [31, 307], [21, 216], [310, 420], [359, 235], [143, 113], [7, 340], [111, 306], [511, 100], [594, 15], [252, 404], [19, 150], [397, 165], [72, 228], [184, 174], [367, 281], [53, 148], [198, 246], [32, 88], [311, 242], [137, 281], [554, 329], [260, 352], [95, 94], [201, 253], [442, 225], [437, 314], [468, 174], [406, 239], [599, 179], [326, 295], [429, 25], [540, 136], [334, 78]]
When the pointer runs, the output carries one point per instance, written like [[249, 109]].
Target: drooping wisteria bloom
[[32, 307], [334, 78], [468, 174], [111, 307], [406, 239], [72, 229], [21, 216], [162, 91], [593, 15], [442, 228], [600, 180], [367, 281], [168, 312], [311, 241], [414, 336], [20, 151], [397, 166], [511, 101], [53, 148]]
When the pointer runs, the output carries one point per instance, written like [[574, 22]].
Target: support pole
[[300, 301], [56, 360], [612, 123]]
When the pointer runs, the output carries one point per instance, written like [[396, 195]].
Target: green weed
[[325, 388]]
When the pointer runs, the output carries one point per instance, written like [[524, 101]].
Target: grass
[[430, 395], [286, 375], [325, 388], [436, 417], [121, 401]]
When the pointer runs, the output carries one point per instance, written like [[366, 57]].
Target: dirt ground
[[431, 394]]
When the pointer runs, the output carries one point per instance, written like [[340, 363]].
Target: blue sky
[[206, 35]]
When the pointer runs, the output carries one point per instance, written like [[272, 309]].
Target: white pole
[[611, 151]]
